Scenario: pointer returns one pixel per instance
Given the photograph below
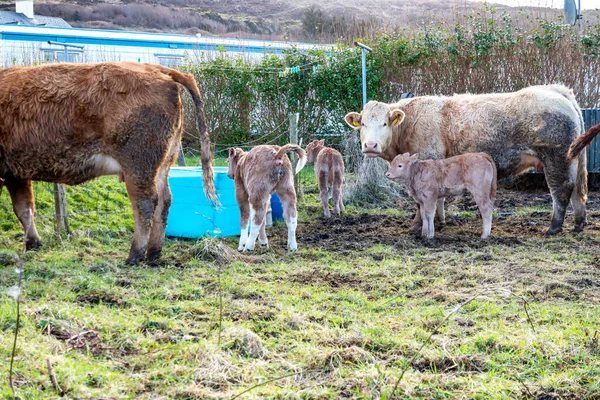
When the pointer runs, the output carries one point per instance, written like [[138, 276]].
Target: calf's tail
[[298, 150]]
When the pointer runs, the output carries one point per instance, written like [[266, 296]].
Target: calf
[[429, 180], [329, 168], [257, 174]]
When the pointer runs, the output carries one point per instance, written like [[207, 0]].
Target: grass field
[[358, 304]]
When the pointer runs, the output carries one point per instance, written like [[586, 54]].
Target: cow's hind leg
[[486, 208], [161, 213], [21, 194], [561, 181], [144, 199]]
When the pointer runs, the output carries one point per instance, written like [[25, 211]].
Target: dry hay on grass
[[213, 249], [244, 341], [334, 359], [368, 186]]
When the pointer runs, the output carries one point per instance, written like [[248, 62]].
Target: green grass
[[342, 317]]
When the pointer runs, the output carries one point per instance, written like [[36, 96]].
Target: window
[[170, 60], [58, 55]]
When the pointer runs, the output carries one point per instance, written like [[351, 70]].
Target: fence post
[[61, 219], [294, 140], [181, 156]]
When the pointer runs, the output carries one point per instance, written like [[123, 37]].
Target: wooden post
[[61, 219], [181, 156], [294, 140]]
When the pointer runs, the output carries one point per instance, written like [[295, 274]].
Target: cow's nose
[[388, 174], [278, 162], [371, 146]]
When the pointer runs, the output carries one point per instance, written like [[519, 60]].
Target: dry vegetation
[[274, 19]]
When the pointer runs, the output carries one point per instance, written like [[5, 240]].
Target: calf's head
[[312, 150], [375, 123], [401, 166], [232, 161]]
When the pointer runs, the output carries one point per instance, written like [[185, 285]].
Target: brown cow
[[531, 127], [429, 180], [69, 123], [257, 174], [329, 168]]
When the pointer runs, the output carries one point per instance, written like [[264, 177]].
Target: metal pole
[[364, 69]]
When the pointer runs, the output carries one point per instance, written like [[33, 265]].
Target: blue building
[[24, 41]]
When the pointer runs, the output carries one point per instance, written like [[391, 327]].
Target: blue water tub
[[192, 215]]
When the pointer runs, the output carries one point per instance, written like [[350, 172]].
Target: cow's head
[[312, 150], [232, 161], [401, 166], [375, 123]]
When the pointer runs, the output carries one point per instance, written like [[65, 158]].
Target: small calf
[[257, 174], [429, 180], [329, 168]]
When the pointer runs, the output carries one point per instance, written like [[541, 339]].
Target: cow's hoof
[[578, 228], [553, 231], [264, 245], [33, 244], [415, 230], [152, 256], [131, 261]]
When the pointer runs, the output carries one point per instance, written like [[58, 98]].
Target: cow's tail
[[582, 141], [494, 175], [206, 156], [298, 150]]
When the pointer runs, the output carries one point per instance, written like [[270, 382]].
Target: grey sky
[[585, 4]]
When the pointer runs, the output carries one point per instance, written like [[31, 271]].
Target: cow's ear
[[414, 157], [353, 120], [396, 117], [406, 155], [322, 142], [231, 151]]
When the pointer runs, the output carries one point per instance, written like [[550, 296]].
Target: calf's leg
[[337, 194], [287, 194], [21, 194], [323, 191], [428, 215], [257, 218], [262, 236]]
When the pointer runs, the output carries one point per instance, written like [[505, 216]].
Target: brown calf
[[329, 168], [257, 174], [429, 180], [69, 123]]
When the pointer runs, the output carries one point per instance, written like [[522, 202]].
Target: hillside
[[272, 19]]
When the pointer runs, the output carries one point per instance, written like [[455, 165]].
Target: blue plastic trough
[[193, 216]]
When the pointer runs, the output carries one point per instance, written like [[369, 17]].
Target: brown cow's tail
[[189, 82], [298, 150], [582, 141]]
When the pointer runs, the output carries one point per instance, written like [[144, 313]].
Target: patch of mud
[[85, 341]]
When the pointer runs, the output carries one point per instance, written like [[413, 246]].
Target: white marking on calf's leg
[[244, 235], [254, 231], [292, 225]]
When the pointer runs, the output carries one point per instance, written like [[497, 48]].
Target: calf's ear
[[396, 117], [322, 142], [353, 120], [414, 157], [231, 151]]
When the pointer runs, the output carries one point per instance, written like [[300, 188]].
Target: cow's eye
[[385, 124], [362, 123]]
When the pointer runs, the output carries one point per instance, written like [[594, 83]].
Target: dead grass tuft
[[245, 342], [212, 249]]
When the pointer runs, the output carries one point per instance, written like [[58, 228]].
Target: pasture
[[361, 303]]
